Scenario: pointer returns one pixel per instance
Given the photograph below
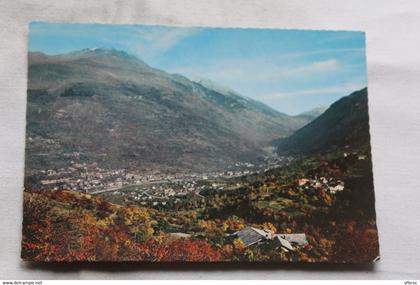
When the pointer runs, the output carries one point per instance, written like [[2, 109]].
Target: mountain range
[[344, 125], [109, 107]]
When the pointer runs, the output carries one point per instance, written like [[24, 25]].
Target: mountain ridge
[[112, 108], [345, 124]]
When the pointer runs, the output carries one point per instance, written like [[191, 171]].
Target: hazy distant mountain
[[109, 107], [344, 124], [246, 101], [313, 113]]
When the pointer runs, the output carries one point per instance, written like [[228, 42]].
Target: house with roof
[[279, 242], [295, 239], [287, 242], [250, 235]]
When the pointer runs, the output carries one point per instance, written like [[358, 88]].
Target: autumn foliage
[[356, 244], [71, 226]]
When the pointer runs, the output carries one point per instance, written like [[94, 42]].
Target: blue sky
[[290, 70]]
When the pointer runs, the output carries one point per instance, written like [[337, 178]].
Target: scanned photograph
[[197, 144]]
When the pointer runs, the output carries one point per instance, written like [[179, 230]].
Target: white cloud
[[151, 42], [344, 89], [146, 42], [328, 51], [309, 69], [261, 71]]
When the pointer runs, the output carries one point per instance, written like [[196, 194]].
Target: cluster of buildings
[[275, 161], [152, 188], [286, 242], [85, 177], [251, 236], [360, 156], [331, 185], [89, 177], [158, 192], [161, 192]]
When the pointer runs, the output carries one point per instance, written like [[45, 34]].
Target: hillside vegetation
[[345, 124], [65, 225]]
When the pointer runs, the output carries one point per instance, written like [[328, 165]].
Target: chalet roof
[[250, 235], [283, 243], [299, 239]]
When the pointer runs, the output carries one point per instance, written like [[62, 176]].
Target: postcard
[[197, 144]]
